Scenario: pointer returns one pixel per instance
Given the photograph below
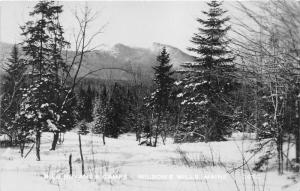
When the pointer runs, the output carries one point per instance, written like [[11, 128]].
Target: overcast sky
[[135, 23]]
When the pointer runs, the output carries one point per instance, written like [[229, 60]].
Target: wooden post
[[81, 155]]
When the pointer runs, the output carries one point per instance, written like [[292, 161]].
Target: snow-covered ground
[[124, 165]]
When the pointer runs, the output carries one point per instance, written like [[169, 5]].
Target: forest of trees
[[246, 84]]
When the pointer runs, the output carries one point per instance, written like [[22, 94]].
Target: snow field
[[124, 165]]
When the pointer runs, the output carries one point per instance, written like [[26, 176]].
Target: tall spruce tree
[[13, 81], [100, 114], [116, 112], [85, 103], [209, 80], [81, 97], [90, 97], [163, 86], [43, 44]]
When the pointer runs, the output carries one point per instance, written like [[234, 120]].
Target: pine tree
[[68, 116], [81, 96], [101, 114], [90, 96], [116, 112], [131, 108], [208, 81], [160, 97], [43, 44], [13, 82], [85, 103]]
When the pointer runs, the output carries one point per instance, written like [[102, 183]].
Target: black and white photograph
[[149, 95]]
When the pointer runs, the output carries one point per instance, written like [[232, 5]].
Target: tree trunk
[[256, 114], [60, 139], [165, 131], [164, 137], [10, 140], [22, 145], [55, 140], [287, 153], [297, 136], [156, 131], [81, 155], [103, 135], [70, 164], [279, 153], [138, 134], [103, 138], [38, 144], [156, 136]]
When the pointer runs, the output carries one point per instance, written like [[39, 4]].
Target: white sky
[[135, 23]]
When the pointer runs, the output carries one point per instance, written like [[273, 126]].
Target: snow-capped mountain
[[136, 59]]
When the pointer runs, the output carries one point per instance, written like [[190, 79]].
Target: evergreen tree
[[144, 129], [208, 81], [131, 110], [85, 103], [13, 82], [68, 118], [159, 100], [116, 112], [101, 114], [81, 104], [43, 44], [89, 99]]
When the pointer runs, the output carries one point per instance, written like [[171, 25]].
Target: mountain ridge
[[138, 60]]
